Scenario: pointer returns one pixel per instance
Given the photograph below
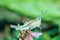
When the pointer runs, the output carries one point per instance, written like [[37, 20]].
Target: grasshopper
[[27, 26]]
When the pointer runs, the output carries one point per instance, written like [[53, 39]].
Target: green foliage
[[32, 9]]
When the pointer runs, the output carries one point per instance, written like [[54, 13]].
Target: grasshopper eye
[[39, 18]]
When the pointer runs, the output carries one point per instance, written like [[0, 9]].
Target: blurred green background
[[12, 12]]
